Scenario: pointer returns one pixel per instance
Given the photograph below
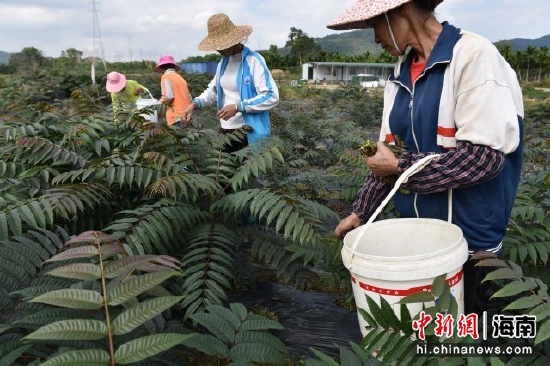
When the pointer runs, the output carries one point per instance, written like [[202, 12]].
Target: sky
[[130, 30]]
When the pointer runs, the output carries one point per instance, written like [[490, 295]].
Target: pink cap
[[166, 59], [115, 82]]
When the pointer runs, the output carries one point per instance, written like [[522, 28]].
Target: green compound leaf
[[88, 357], [73, 329], [135, 316], [141, 348], [72, 298]]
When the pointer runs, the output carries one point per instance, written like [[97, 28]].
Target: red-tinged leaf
[[91, 236], [80, 252], [112, 249], [167, 261], [80, 271]]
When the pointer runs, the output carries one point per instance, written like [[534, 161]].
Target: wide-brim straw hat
[[222, 33], [357, 16]]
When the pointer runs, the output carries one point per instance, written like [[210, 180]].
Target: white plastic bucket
[[398, 257], [395, 258], [146, 102]]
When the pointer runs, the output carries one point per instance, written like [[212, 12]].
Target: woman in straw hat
[[451, 94], [124, 92], [243, 87], [174, 90]]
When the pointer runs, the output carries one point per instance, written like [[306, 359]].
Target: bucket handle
[[148, 92], [413, 169]]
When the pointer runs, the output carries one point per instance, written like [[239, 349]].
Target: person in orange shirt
[[175, 93]]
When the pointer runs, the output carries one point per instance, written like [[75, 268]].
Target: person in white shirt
[[243, 86]]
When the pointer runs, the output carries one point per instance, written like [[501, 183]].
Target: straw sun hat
[[356, 16], [222, 33]]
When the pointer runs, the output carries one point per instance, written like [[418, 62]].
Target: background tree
[[69, 57], [529, 59], [6, 69], [29, 59], [543, 60], [301, 45], [519, 57], [385, 57], [208, 57], [273, 58], [72, 54]]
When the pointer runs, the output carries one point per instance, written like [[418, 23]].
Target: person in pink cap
[[451, 94], [124, 92], [175, 93]]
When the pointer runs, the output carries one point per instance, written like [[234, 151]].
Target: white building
[[343, 72]]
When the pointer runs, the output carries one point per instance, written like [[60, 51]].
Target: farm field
[[146, 244]]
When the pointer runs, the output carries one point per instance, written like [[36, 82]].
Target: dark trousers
[[477, 294], [234, 145]]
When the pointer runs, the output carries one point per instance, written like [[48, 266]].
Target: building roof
[[379, 64]]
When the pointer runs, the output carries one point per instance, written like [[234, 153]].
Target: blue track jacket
[[259, 93]]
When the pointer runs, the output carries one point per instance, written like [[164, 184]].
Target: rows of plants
[[123, 242]]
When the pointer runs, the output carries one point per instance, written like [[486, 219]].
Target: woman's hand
[[347, 224], [227, 111], [383, 163], [188, 112]]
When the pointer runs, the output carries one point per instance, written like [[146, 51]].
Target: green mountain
[[360, 41], [520, 44], [4, 57], [353, 43]]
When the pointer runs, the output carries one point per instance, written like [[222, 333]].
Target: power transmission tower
[[98, 53]]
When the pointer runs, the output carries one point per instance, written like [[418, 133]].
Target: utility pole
[[98, 53]]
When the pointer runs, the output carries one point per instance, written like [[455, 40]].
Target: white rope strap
[[413, 169]]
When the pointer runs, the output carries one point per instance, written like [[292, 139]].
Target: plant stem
[[105, 304]]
